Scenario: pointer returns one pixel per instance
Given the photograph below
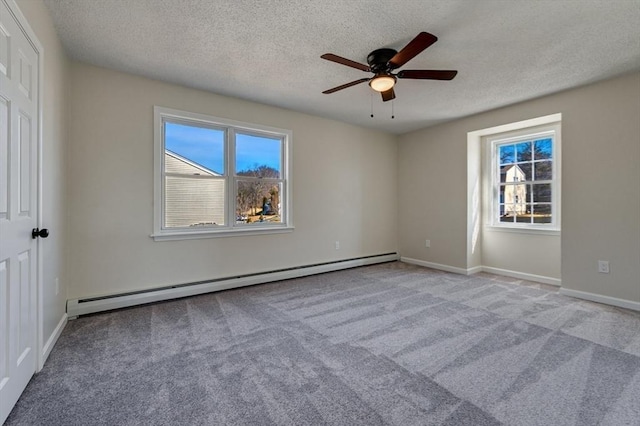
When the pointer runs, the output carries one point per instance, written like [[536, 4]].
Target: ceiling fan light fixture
[[383, 62], [382, 82]]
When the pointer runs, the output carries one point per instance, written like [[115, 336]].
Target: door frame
[[24, 25]]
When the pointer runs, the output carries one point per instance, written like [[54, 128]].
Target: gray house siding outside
[[194, 195]]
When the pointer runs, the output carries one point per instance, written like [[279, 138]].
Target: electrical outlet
[[337, 245], [57, 286], [427, 243], [603, 266]]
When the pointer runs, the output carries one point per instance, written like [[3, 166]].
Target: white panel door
[[18, 209]]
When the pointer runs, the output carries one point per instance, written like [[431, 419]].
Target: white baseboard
[[438, 266], [608, 300], [523, 276], [476, 269], [51, 341], [77, 307]]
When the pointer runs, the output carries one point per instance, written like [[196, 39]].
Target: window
[[216, 177], [525, 190]]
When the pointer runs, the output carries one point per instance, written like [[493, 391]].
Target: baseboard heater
[[76, 307]]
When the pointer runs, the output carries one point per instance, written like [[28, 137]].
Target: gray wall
[[344, 189], [600, 186]]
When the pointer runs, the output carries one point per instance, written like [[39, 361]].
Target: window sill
[[237, 232], [523, 230]]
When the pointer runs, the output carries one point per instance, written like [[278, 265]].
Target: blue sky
[[511, 153], [255, 151], [206, 147]]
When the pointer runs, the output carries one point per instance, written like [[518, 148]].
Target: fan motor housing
[[379, 58]]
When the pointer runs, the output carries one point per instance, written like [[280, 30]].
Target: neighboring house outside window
[[190, 199], [514, 195], [525, 176], [217, 177]]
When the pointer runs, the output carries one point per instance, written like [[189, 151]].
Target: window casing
[[525, 179], [218, 177]]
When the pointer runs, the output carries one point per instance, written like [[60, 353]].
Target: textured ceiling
[[268, 51]]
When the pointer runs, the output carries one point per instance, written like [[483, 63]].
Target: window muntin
[[218, 177], [525, 183]]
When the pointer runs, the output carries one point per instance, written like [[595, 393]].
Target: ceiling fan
[[383, 61]]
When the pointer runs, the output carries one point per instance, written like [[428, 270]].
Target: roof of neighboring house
[[202, 169], [508, 167]]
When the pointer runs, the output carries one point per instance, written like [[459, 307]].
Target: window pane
[[542, 193], [515, 173], [525, 191], [259, 201], [505, 215], [525, 172], [544, 170], [507, 154], [511, 194], [523, 151], [543, 149], [258, 156], [515, 209], [196, 146], [191, 202], [542, 213], [523, 213]]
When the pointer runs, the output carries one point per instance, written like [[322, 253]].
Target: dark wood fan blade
[[388, 95], [415, 46], [344, 61], [428, 74], [344, 86]]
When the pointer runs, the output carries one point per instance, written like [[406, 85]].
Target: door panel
[[4, 50], [18, 210], [24, 163], [26, 70], [23, 309], [4, 157], [4, 322]]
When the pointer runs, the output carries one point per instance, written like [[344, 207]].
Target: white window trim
[[231, 229], [513, 134]]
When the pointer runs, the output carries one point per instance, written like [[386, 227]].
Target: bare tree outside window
[[258, 198]]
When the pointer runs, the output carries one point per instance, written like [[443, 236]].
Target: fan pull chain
[[371, 105], [393, 114]]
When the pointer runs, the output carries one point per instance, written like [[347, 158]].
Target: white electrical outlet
[[337, 245], [57, 286], [603, 266], [427, 243]]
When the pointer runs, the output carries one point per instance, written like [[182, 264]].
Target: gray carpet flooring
[[390, 344]]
